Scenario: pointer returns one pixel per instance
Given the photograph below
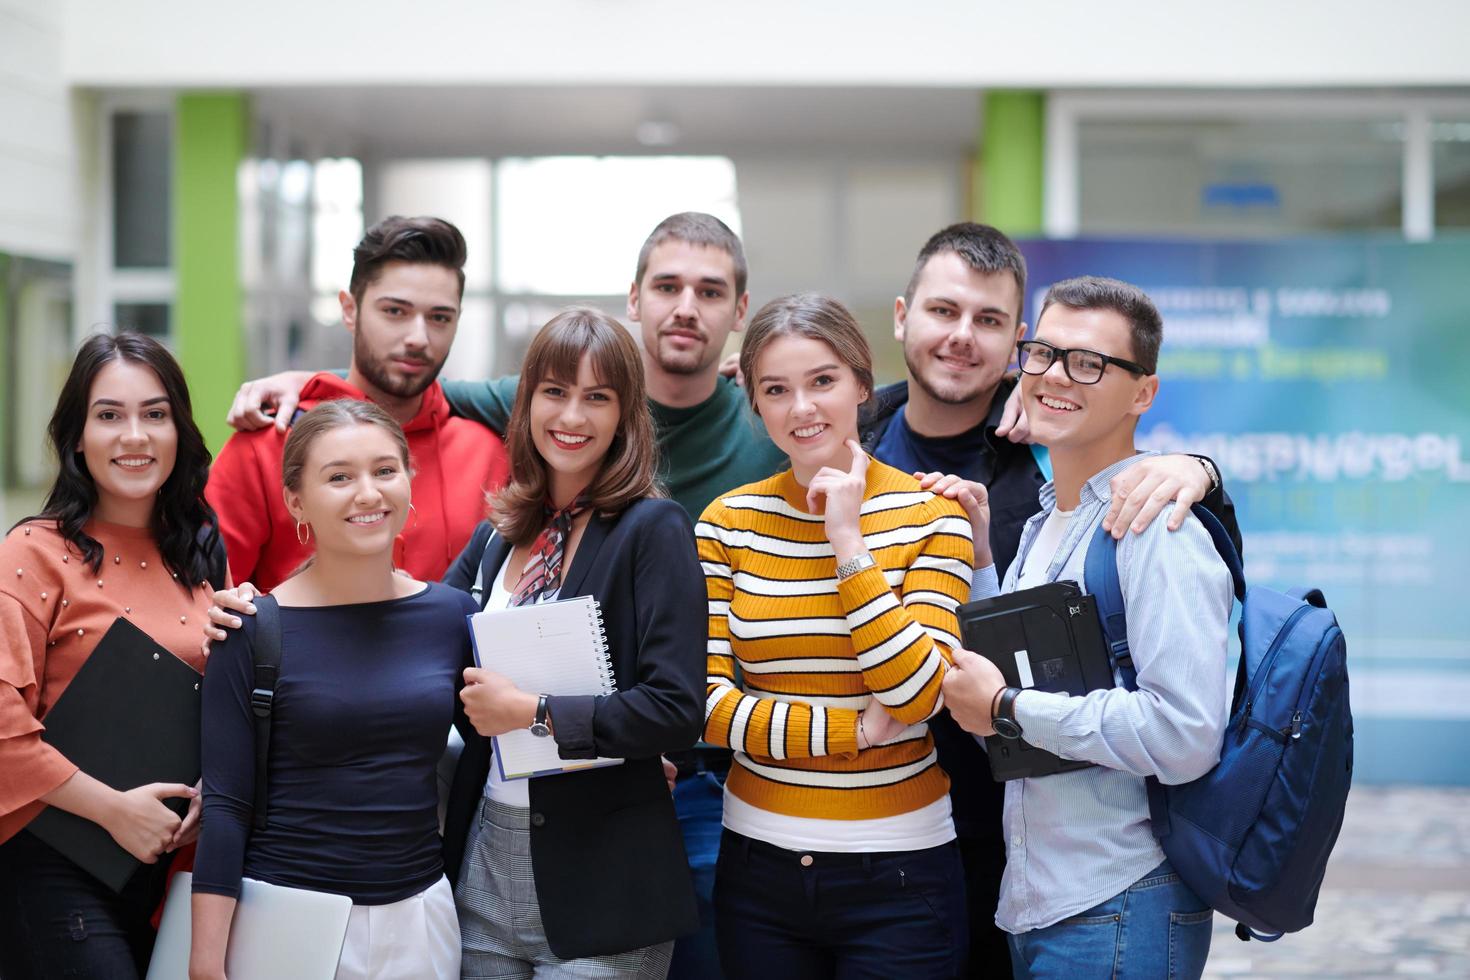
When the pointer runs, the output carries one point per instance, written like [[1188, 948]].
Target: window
[[1451, 142], [1224, 177]]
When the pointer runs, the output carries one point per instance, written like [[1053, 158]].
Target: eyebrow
[[399, 301], [347, 462], [712, 280], [815, 370], [144, 403]]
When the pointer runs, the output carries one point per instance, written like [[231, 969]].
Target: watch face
[[1007, 728], [539, 729]]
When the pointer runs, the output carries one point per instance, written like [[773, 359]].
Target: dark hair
[[984, 249], [180, 512], [629, 470], [430, 241], [696, 228], [1127, 300], [325, 417], [807, 315]]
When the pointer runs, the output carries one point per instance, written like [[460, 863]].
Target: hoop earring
[[303, 533], [413, 518]]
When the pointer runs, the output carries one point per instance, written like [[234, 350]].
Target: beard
[[380, 374], [947, 392], [685, 362]]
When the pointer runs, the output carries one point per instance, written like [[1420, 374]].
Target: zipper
[[1269, 661], [1294, 730]]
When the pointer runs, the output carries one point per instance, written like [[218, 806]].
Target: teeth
[[135, 464], [1056, 403], [570, 439], [366, 518], [809, 430]]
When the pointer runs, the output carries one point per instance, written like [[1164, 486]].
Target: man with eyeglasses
[[1087, 891], [959, 321]]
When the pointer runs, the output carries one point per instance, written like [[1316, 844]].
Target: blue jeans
[[1156, 928], [792, 915], [699, 799]]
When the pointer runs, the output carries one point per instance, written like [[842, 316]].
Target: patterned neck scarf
[[543, 567]]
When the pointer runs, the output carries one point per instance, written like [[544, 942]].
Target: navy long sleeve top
[[365, 696]]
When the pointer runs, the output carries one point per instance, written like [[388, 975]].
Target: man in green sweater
[[687, 297]]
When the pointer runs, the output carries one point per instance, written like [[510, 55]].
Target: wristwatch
[[852, 566], [1004, 722], [539, 727], [1211, 471]]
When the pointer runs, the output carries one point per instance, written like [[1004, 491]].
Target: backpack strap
[[1100, 578], [265, 655]]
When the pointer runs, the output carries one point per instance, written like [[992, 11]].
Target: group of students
[[778, 567]]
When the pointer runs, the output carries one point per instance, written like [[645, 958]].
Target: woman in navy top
[[585, 866], [371, 661]]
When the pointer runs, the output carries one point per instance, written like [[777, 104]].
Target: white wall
[[38, 194], [859, 42]]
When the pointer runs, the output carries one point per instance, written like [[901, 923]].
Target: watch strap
[[847, 569]]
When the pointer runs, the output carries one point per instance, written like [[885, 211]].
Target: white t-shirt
[[1044, 549], [506, 792]]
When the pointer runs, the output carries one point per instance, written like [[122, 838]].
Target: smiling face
[[808, 399], [129, 441], [403, 328], [1065, 415], [960, 331], [353, 490], [687, 306], [573, 424]]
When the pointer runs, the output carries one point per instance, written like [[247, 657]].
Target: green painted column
[[210, 141], [1008, 188]]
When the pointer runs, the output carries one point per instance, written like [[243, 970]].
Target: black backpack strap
[[265, 654]]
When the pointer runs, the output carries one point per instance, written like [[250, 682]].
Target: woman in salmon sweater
[[119, 535], [832, 587]]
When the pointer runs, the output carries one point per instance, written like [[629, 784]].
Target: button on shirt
[[1078, 838]]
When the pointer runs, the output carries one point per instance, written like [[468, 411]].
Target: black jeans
[[58, 921], [808, 915]]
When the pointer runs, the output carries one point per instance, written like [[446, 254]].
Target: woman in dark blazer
[[581, 517]]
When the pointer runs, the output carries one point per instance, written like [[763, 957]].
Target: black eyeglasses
[[1082, 365]]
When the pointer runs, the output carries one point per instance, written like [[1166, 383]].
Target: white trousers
[[415, 939]]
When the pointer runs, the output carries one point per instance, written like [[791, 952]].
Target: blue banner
[[1330, 379]]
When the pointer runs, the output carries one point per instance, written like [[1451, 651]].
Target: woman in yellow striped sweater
[[832, 588]]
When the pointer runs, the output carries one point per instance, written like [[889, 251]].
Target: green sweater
[[707, 449]]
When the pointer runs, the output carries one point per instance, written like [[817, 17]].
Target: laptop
[[278, 933]]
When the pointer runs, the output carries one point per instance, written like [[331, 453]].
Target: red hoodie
[[456, 462]]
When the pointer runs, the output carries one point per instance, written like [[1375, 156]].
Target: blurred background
[[1290, 181]]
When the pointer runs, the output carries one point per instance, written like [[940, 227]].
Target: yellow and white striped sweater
[[813, 651]]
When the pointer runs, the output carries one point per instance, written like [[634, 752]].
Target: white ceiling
[[503, 121]]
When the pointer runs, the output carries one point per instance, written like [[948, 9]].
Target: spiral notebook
[[554, 647]]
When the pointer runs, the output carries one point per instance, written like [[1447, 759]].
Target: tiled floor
[[1396, 901]]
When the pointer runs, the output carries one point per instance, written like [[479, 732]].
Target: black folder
[[1048, 638], [129, 717]]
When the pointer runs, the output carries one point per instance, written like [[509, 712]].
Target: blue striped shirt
[[1076, 839]]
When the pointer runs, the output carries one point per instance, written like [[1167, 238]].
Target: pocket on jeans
[[1189, 942]]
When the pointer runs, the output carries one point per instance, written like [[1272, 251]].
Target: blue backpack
[[1251, 837]]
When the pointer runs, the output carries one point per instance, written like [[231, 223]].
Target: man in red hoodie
[[402, 307]]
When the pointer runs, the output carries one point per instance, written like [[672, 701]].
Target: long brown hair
[[629, 471]]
